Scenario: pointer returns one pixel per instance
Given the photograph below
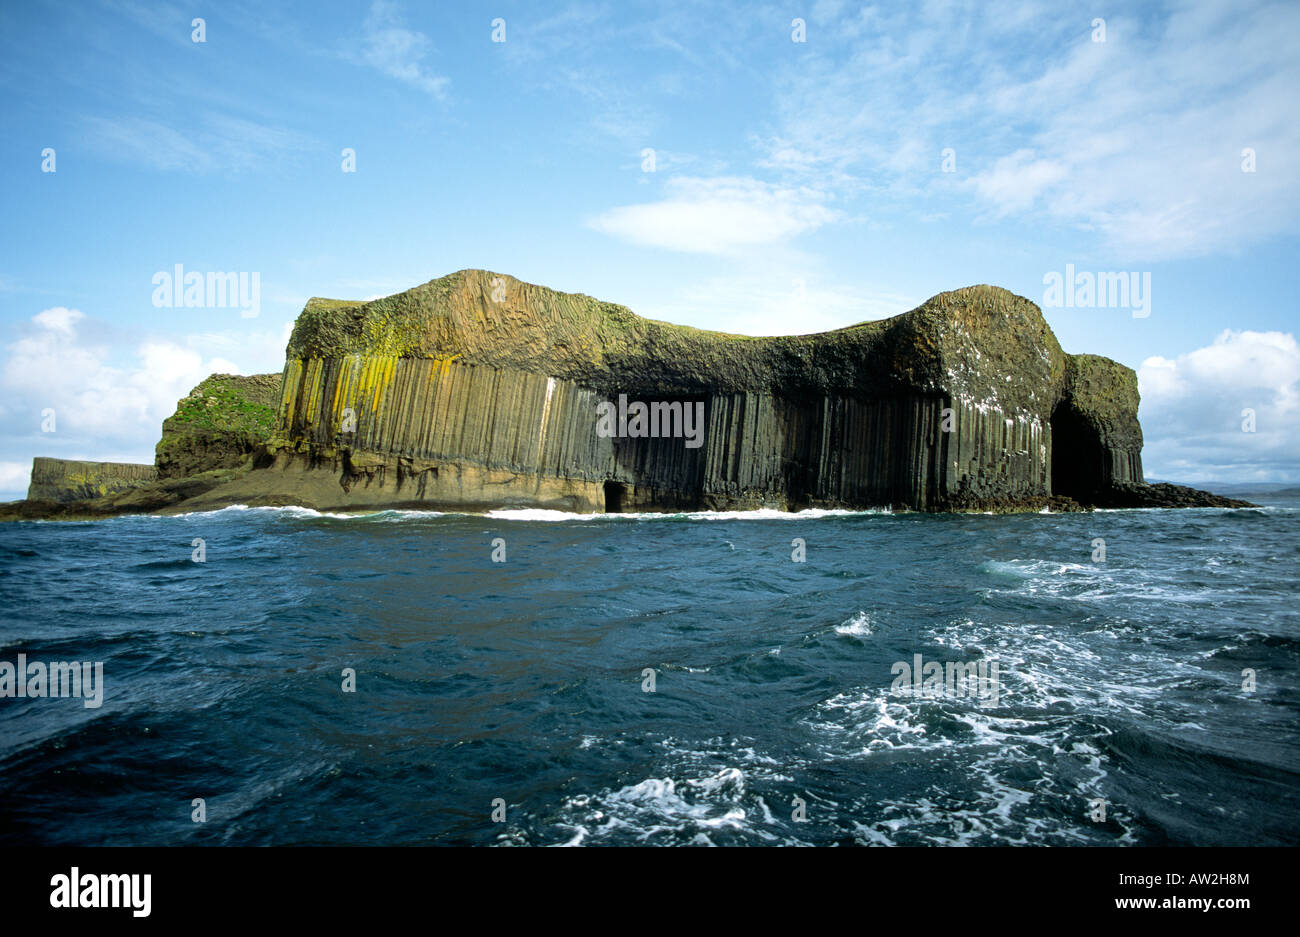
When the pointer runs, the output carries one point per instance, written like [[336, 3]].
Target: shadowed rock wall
[[1098, 439]]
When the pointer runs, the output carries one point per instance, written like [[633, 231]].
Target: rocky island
[[478, 391]]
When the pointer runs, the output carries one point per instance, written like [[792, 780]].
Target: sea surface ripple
[[523, 683]]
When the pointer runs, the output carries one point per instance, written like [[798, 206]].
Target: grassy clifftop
[[220, 422]]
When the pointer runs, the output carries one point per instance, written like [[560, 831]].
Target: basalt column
[[477, 389]]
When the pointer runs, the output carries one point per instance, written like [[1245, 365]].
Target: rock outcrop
[[1163, 495], [69, 480], [462, 396], [218, 425], [478, 391]]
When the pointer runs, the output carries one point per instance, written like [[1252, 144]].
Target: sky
[[755, 168]]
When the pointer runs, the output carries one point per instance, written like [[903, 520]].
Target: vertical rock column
[[439, 408]]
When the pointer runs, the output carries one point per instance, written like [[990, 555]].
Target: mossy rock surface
[[483, 318], [218, 425]]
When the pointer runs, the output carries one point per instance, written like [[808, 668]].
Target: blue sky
[[796, 186]]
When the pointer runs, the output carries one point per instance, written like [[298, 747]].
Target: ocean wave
[[305, 513], [991, 749], [762, 514], [543, 515], [687, 810], [859, 626], [1030, 569], [239, 509], [1097, 582]]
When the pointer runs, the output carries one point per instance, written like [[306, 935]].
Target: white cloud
[[259, 351], [97, 404], [14, 479], [1015, 182], [59, 319], [398, 52], [718, 215], [1192, 410]]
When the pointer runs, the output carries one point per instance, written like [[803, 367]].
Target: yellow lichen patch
[[289, 391], [345, 389], [366, 390], [315, 366], [334, 403]]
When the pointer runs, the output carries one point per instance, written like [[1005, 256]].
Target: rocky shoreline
[[185, 495]]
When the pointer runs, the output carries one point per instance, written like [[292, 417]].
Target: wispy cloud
[[218, 143], [786, 297], [14, 479], [401, 53], [664, 54], [1016, 182], [165, 20], [1138, 138], [718, 215]]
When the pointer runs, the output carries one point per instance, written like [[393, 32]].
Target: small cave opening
[[615, 492], [1078, 458]]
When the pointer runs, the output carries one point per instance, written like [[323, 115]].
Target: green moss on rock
[[218, 425]]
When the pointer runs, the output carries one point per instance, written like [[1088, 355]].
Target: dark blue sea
[[509, 703]]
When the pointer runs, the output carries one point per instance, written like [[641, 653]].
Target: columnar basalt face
[[69, 480], [477, 389]]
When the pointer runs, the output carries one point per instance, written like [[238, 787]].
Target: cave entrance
[[615, 492], [1077, 455]]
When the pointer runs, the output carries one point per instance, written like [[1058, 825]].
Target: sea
[[533, 678]]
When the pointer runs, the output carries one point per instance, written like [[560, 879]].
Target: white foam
[[287, 511], [992, 749], [661, 805], [297, 511], [527, 514], [540, 514], [707, 790], [761, 514], [859, 626]]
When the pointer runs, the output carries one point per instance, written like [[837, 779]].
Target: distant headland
[[477, 391]]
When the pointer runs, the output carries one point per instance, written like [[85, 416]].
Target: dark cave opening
[[1078, 458], [614, 494]]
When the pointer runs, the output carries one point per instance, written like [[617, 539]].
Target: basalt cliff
[[478, 391]]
